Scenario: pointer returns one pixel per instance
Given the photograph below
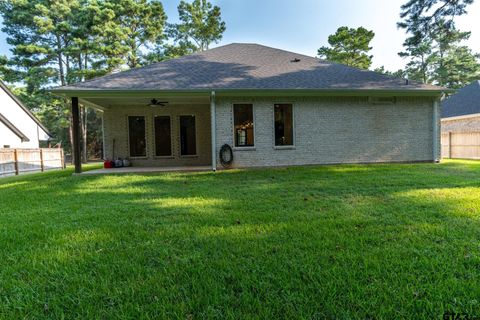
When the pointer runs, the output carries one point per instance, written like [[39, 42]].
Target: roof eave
[[24, 108], [99, 93]]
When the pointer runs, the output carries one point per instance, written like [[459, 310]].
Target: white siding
[[20, 119]]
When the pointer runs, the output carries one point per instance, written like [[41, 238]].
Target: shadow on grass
[[333, 241]]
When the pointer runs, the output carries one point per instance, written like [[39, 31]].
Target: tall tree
[[422, 17], [58, 42], [200, 26], [434, 45], [420, 56], [127, 28], [349, 46], [454, 65]]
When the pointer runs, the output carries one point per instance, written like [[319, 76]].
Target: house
[[272, 107], [19, 128], [461, 123]]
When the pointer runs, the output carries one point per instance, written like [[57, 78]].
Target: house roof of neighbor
[[249, 67], [465, 102], [24, 108]]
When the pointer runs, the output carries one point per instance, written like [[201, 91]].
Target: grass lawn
[[352, 241]]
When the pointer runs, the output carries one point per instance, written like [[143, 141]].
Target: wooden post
[[76, 135], [15, 157], [42, 166], [450, 144], [62, 158]]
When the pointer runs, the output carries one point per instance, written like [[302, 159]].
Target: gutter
[[99, 93]]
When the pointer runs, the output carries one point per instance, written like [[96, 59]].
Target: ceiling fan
[[155, 103]]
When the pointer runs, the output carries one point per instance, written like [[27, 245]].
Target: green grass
[[353, 241]]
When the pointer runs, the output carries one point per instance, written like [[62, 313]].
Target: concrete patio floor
[[147, 170]]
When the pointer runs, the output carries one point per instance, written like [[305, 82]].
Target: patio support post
[[213, 129], [76, 135]]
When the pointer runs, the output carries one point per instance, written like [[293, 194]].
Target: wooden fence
[[461, 145], [18, 161]]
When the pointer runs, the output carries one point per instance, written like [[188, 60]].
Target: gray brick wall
[[326, 130], [334, 130], [116, 127]]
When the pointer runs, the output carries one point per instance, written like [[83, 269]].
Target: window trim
[[146, 138], [170, 156], [180, 137], [244, 148], [294, 136]]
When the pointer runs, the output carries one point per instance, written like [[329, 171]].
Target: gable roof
[[23, 107], [465, 102], [245, 66]]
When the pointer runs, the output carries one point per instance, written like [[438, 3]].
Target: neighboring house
[[273, 107], [461, 123], [19, 128]]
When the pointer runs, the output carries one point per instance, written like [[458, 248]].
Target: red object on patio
[[107, 164]]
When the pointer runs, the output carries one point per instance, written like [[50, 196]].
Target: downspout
[[436, 131], [213, 131]]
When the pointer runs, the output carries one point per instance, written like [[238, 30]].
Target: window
[[188, 143], [243, 125], [136, 136], [163, 136], [283, 125]]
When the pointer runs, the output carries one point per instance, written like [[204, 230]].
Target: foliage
[[60, 42], [434, 45], [349, 46], [333, 242], [200, 25], [398, 74], [422, 17]]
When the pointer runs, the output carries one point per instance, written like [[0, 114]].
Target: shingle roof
[[246, 66], [466, 101]]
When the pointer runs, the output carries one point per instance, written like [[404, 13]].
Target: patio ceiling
[[110, 102]]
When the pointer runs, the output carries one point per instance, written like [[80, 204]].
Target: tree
[[200, 25], [454, 65], [59, 42], [398, 74], [422, 17], [349, 46], [127, 28], [418, 68], [434, 44]]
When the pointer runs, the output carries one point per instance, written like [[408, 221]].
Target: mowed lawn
[[351, 241]]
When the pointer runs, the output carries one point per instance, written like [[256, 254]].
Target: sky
[[303, 26]]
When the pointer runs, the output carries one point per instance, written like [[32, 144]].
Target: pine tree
[[349, 46]]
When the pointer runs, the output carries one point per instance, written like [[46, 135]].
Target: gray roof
[[246, 66], [465, 102]]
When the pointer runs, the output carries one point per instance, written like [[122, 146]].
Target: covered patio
[[156, 131]]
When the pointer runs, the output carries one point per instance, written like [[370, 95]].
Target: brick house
[[461, 123], [272, 107]]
